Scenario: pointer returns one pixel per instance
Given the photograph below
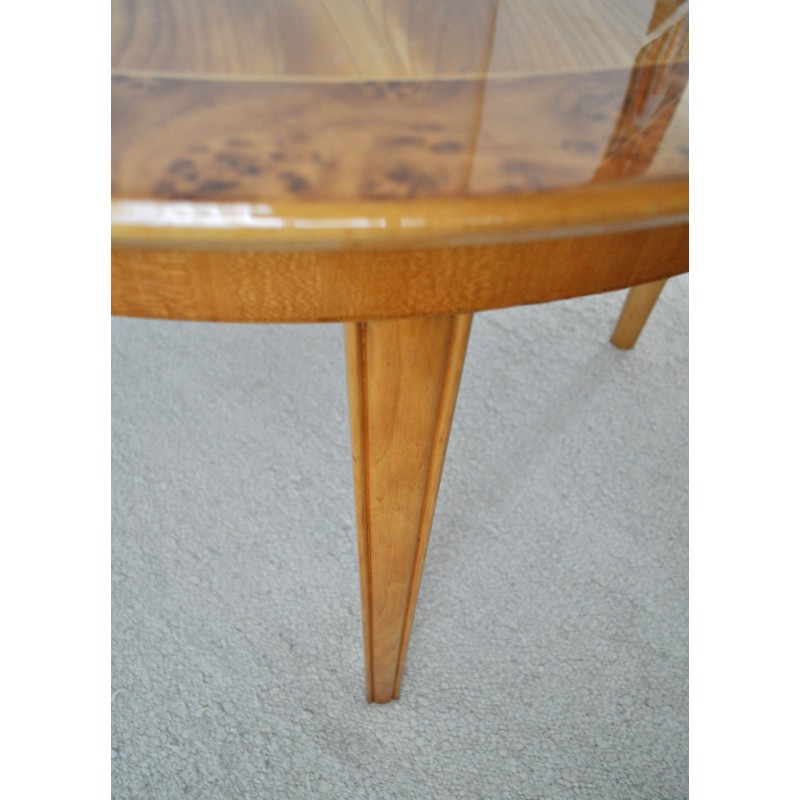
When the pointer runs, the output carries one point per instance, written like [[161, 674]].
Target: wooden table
[[397, 166]]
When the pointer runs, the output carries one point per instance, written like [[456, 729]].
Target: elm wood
[[403, 378], [312, 286], [638, 305]]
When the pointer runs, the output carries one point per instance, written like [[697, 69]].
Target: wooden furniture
[[396, 166]]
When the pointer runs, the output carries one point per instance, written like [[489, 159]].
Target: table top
[[328, 123]]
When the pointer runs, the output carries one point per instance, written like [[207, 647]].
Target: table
[[396, 166]]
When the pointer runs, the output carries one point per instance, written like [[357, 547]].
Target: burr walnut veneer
[[396, 165]]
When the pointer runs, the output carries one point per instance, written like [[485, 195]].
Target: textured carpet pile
[[549, 657]]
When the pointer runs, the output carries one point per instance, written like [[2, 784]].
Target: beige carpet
[[549, 653]]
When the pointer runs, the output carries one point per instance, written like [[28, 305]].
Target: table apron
[[329, 286]]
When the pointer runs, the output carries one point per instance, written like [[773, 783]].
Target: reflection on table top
[[291, 120]]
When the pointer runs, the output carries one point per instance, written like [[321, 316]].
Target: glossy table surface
[[396, 165], [325, 123]]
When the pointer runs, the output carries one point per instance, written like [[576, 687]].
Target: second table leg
[[403, 378], [638, 305]]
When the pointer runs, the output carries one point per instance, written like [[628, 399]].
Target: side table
[[396, 167]]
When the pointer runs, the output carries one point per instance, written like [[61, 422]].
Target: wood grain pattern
[[271, 143], [638, 305], [309, 286], [366, 101], [275, 39], [403, 380], [377, 39], [397, 165]]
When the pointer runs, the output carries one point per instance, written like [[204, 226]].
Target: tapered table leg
[[638, 305], [403, 378]]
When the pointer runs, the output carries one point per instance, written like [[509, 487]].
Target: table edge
[[435, 222]]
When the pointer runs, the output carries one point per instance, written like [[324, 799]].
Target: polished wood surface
[[403, 380], [234, 115], [396, 165], [330, 285], [376, 39], [321, 141], [427, 222]]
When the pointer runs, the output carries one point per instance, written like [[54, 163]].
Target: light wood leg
[[638, 305], [403, 378]]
